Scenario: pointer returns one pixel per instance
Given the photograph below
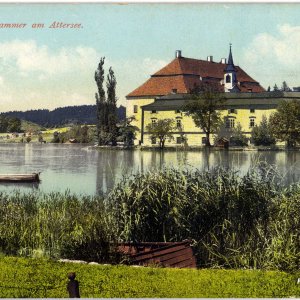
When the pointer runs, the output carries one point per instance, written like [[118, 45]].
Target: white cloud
[[29, 57], [272, 58], [35, 76]]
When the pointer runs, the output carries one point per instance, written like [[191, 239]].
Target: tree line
[[81, 114]]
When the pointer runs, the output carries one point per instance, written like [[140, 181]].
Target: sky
[[54, 67]]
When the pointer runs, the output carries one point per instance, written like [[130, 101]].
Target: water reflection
[[87, 171]]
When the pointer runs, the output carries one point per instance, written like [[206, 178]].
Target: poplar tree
[[111, 84], [100, 102], [106, 106]]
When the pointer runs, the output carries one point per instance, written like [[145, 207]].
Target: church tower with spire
[[230, 80]]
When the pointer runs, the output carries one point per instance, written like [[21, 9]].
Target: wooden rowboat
[[34, 177]]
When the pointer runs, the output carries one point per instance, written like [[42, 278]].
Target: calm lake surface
[[88, 171]]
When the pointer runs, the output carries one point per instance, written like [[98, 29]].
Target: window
[[153, 140], [179, 140], [177, 111], [178, 124], [228, 79], [231, 111], [153, 121], [135, 109], [153, 111], [204, 141], [252, 110], [230, 123], [252, 122]]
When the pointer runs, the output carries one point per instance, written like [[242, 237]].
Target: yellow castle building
[[168, 90]]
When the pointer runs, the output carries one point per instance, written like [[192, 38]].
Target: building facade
[[167, 91]]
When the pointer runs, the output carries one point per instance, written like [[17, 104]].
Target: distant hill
[[83, 114]]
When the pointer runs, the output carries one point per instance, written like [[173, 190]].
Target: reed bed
[[234, 221]]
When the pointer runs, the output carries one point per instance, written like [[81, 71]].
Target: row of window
[[179, 140], [178, 123], [230, 122], [230, 111], [234, 111]]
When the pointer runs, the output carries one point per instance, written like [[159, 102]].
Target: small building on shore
[[165, 94]]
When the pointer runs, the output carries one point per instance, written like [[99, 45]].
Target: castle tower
[[230, 81]]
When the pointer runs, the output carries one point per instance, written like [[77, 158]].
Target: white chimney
[[223, 61], [178, 54], [210, 58]]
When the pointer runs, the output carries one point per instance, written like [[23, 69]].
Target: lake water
[[88, 171]]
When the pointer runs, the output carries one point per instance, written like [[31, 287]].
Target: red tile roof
[[184, 73]]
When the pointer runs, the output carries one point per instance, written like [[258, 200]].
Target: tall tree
[[275, 88], [111, 84], [285, 87], [285, 122], [205, 108], [162, 130], [100, 102]]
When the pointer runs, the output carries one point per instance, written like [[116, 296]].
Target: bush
[[261, 135]]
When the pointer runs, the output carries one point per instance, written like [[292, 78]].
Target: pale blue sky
[[47, 68]]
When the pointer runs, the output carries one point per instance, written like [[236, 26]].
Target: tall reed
[[55, 225], [234, 221]]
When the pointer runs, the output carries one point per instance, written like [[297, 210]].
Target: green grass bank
[[39, 278]]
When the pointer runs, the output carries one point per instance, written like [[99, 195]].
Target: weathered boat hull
[[170, 254], [15, 178]]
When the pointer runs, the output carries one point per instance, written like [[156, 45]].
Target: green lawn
[[38, 278], [46, 134]]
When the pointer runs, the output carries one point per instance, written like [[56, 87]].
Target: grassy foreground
[[38, 278]]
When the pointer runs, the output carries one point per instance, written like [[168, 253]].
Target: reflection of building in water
[[112, 165]]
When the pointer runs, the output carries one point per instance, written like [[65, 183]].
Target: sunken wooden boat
[[15, 178]]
